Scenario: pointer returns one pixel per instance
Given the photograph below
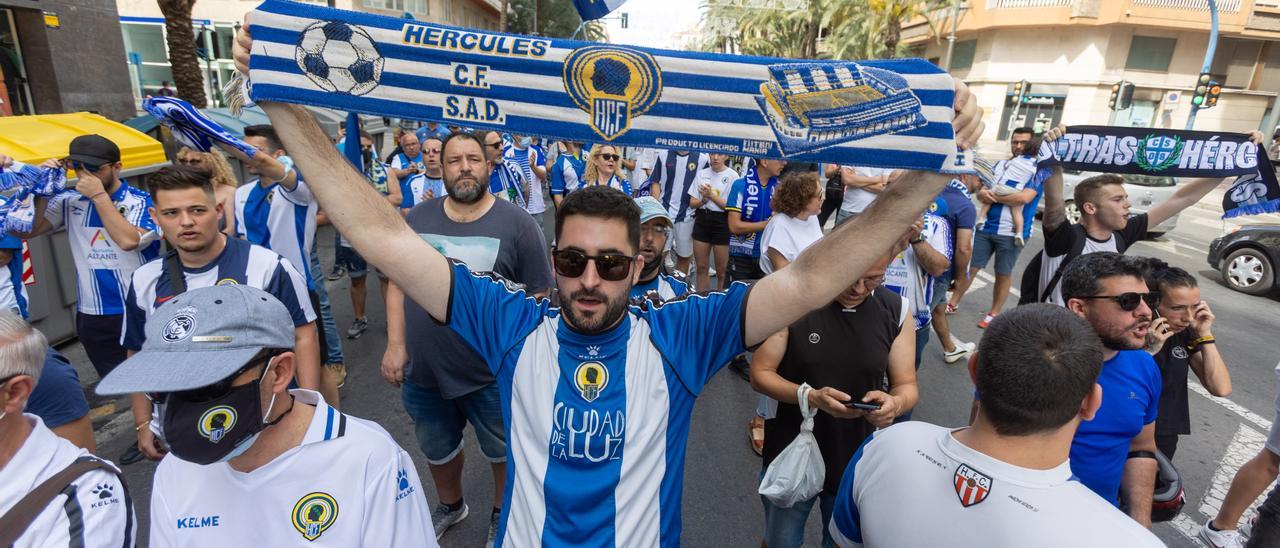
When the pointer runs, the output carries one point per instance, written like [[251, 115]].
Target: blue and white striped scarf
[[892, 113], [17, 210], [191, 128]]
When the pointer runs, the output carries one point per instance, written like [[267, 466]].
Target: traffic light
[[1198, 96], [1021, 92], [1211, 99]]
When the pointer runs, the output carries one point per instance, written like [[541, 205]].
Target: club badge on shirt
[[972, 486], [314, 514], [590, 378]]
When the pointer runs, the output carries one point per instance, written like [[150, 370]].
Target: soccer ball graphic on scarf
[[339, 57]]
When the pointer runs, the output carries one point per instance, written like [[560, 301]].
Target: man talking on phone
[[866, 321]]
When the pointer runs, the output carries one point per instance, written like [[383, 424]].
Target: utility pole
[[537, 7], [951, 36], [1208, 56]]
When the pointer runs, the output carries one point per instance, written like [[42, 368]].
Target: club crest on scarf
[[813, 106], [613, 85], [339, 57], [1159, 152]]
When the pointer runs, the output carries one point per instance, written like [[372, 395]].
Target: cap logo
[[180, 326]]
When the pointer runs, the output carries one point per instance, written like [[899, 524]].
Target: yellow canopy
[[34, 139]]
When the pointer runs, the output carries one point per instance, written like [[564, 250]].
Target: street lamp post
[[1208, 56]]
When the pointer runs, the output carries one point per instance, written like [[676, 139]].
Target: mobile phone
[[863, 406]]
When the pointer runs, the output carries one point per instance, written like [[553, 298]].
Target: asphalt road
[[721, 473]]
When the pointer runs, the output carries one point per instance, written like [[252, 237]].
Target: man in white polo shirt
[[187, 212], [1005, 480], [251, 462], [89, 509]]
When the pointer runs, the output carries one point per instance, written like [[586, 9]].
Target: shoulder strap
[[15, 522], [1077, 249], [177, 279]]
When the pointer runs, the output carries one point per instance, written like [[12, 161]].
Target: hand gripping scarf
[[895, 113], [1173, 153], [191, 128], [17, 210]]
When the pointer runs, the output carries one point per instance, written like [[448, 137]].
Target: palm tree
[[891, 14], [188, 77]]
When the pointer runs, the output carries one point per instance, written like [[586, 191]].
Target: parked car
[[1247, 258], [1144, 191]]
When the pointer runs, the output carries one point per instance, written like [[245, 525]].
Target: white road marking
[[984, 279], [1257, 420], [1244, 445]]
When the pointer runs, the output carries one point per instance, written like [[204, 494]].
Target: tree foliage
[[556, 19], [188, 77], [816, 29]]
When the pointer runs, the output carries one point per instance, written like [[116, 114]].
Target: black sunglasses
[[218, 389], [494, 145], [87, 167], [572, 263], [610, 157], [1129, 301]]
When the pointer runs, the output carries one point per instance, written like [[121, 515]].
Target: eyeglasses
[[86, 167], [217, 389], [646, 230], [571, 263], [610, 157], [494, 145], [431, 150], [871, 283], [1129, 301]]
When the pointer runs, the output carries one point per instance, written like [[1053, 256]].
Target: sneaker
[[358, 328], [711, 271], [952, 309], [986, 320], [1226, 538], [336, 274], [962, 349], [493, 530], [442, 519], [338, 372]]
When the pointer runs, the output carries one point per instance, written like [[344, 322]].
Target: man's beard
[[613, 311], [650, 267], [469, 195], [1116, 339]]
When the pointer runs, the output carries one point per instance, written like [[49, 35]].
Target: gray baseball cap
[[201, 337]]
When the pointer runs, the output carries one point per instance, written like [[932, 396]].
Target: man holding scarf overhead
[[593, 357], [1105, 222]]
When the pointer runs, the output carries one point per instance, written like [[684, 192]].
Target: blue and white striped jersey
[[666, 286], [597, 425], [566, 173], [281, 220], [13, 294], [413, 190], [102, 268], [675, 174], [906, 277], [240, 263], [508, 182], [1018, 173]]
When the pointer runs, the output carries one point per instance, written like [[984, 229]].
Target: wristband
[[1208, 339], [138, 428], [916, 240], [96, 194], [1141, 455]]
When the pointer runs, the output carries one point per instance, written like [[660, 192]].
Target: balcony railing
[[1224, 6], [997, 4]]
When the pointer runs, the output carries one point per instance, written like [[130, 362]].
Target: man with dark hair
[[749, 207], [1114, 454], [996, 233], [111, 235], [1005, 480], [597, 396], [1105, 223], [187, 213], [277, 211], [447, 384]]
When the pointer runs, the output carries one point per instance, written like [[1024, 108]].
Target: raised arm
[[1055, 205], [270, 169], [834, 262]]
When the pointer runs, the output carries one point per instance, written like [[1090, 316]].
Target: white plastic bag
[[798, 472]]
